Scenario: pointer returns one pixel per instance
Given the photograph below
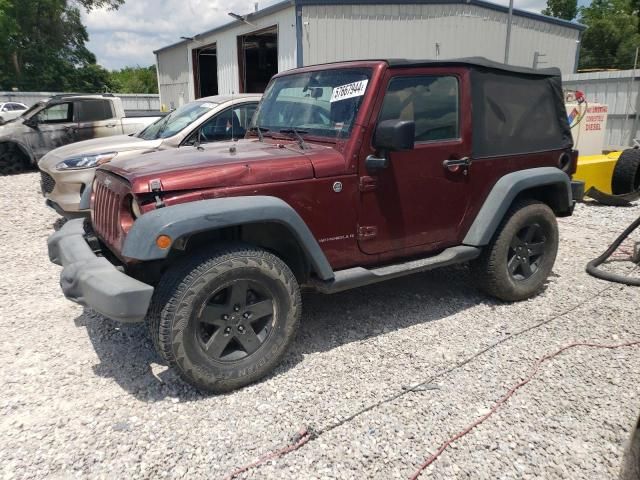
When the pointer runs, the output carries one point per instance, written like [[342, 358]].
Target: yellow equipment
[[596, 171]]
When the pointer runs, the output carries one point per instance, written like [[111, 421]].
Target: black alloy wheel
[[517, 261], [526, 252], [224, 318], [235, 321]]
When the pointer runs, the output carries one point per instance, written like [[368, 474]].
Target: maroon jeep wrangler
[[352, 173]]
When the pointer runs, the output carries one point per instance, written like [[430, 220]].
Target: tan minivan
[[67, 171]]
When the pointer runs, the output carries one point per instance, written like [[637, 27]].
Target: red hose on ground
[[302, 437], [508, 395]]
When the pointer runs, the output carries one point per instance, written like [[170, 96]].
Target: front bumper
[[60, 211], [66, 187], [93, 281]]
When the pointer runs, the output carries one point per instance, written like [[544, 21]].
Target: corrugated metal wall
[[173, 75], [175, 63], [339, 32], [619, 91], [130, 101]]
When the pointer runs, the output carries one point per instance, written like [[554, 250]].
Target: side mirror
[[395, 135], [31, 122]]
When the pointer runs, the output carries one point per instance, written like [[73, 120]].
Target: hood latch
[[155, 186]]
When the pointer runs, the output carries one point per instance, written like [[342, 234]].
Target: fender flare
[[205, 215], [505, 191]]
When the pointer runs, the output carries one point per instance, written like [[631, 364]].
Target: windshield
[[176, 121], [31, 111], [323, 103]]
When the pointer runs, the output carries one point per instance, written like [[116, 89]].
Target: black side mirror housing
[[31, 122], [395, 135]]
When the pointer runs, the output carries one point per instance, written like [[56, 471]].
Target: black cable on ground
[[592, 266]]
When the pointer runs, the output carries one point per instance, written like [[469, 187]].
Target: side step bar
[[359, 276]]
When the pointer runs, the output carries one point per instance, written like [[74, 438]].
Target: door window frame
[[70, 115], [459, 122], [464, 99]]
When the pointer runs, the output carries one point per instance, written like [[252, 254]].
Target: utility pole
[[508, 40]]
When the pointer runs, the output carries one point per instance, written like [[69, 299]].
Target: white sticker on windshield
[[355, 89], [207, 105]]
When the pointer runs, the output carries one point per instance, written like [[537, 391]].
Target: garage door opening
[[205, 71], [258, 59]]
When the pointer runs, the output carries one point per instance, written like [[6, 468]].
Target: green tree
[[565, 9], [611, 37], [42, 46], [135, 80]]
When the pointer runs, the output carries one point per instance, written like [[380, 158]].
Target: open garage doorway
[[257, 59], [205, 71]]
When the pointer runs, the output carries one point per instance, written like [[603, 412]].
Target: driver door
[[55, 127], [417, 202]]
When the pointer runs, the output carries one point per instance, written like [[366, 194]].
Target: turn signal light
[[163, 241]]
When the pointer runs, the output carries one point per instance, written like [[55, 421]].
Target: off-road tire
[[12, 160], [491, 269], [626, 173], [180, 299]]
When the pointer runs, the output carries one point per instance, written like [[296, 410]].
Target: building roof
[[289, 3]]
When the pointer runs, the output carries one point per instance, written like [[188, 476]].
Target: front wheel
[[518, 260], [225, 319]]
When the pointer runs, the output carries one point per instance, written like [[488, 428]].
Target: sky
[[128, 36]]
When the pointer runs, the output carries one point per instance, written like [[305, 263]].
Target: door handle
[[453, 165], [111, 125]]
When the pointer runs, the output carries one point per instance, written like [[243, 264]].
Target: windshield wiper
[[298, 134], [259, 130]]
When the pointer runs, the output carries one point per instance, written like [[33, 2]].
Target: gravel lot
[[85, 397]]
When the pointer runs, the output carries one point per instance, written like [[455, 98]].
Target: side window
[[430, 101], [94, 110], [228, 124], [60, 113]]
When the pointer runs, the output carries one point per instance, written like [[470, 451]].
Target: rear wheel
[[225, 319], [517, 262]]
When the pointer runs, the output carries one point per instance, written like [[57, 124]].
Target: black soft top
[[480, 62], [515, 110]]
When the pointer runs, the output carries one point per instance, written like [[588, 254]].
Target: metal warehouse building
[[241, 56]]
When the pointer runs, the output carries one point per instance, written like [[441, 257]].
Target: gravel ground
[[86, 397]]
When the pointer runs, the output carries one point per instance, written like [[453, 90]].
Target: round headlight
[[135, 208]]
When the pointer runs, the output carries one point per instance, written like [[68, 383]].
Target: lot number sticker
[[350, 90]]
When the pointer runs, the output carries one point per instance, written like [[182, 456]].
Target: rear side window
[[515, 114], [94, 110], [429, 101]]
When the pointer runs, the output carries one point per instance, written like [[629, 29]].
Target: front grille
[[47, 183], [107, 202]]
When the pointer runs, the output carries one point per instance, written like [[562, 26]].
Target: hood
[[223, 164], [117, 143], [13, 130]]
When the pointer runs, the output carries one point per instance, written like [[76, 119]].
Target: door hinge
[[367, 232], [368, 183]]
